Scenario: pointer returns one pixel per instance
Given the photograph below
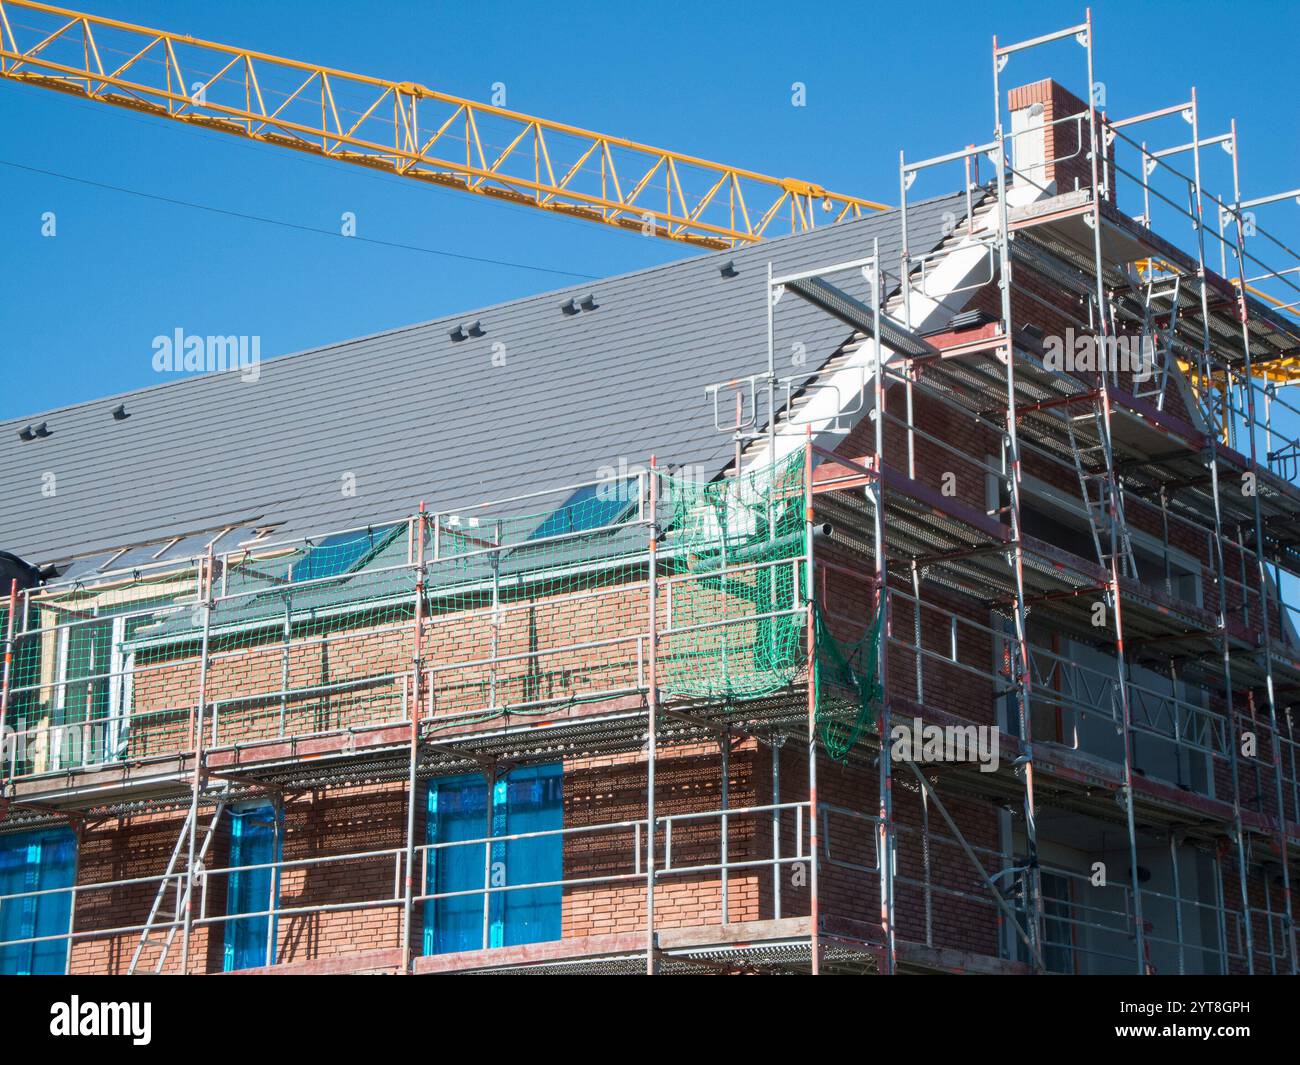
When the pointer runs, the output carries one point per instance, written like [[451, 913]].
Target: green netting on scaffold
[[852, 668], [735, 558]]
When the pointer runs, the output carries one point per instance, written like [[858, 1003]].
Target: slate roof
[[413, 414]]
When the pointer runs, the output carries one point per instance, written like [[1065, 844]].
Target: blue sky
[[81, 310]]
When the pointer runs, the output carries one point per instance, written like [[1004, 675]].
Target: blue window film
[[593, 506], [534, 802], [341, 553], [528, 800], [36, 861], [254, 840], [457, 811]]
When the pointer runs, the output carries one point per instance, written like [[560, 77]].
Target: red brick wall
[[687, 779], [125, 848]]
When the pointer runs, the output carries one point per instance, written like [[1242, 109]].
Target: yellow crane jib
[[407, 129]]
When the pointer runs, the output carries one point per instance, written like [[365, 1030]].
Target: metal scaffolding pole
[[886, 841], [776, 827], [6, 680], [1011, 448], [416, 711], [1114, 516], [814, 835], [1212, 443], [196, 788], [652, 714], [1260, 567]]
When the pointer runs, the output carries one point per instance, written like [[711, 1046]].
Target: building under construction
[[561, 636]]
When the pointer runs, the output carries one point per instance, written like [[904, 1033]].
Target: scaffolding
[[454, 642], [810, 602], [1136, 465]]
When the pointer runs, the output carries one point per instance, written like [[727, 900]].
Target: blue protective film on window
[[534, 803], [457, 811], [528, 800], [36, 861], [253, 841]]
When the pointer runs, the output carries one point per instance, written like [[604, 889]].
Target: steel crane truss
[[410, 130]]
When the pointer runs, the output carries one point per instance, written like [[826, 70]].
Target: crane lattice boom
[[407, 129]]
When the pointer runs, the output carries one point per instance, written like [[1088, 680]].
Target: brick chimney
[[1048, 150]]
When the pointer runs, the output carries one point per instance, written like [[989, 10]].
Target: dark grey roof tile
[[415, 415]]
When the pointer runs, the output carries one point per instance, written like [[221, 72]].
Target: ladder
[[182, 898], [1160, 337], [1103, 496]]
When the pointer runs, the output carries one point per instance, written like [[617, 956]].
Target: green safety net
[[855, 669], [735, 556]]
